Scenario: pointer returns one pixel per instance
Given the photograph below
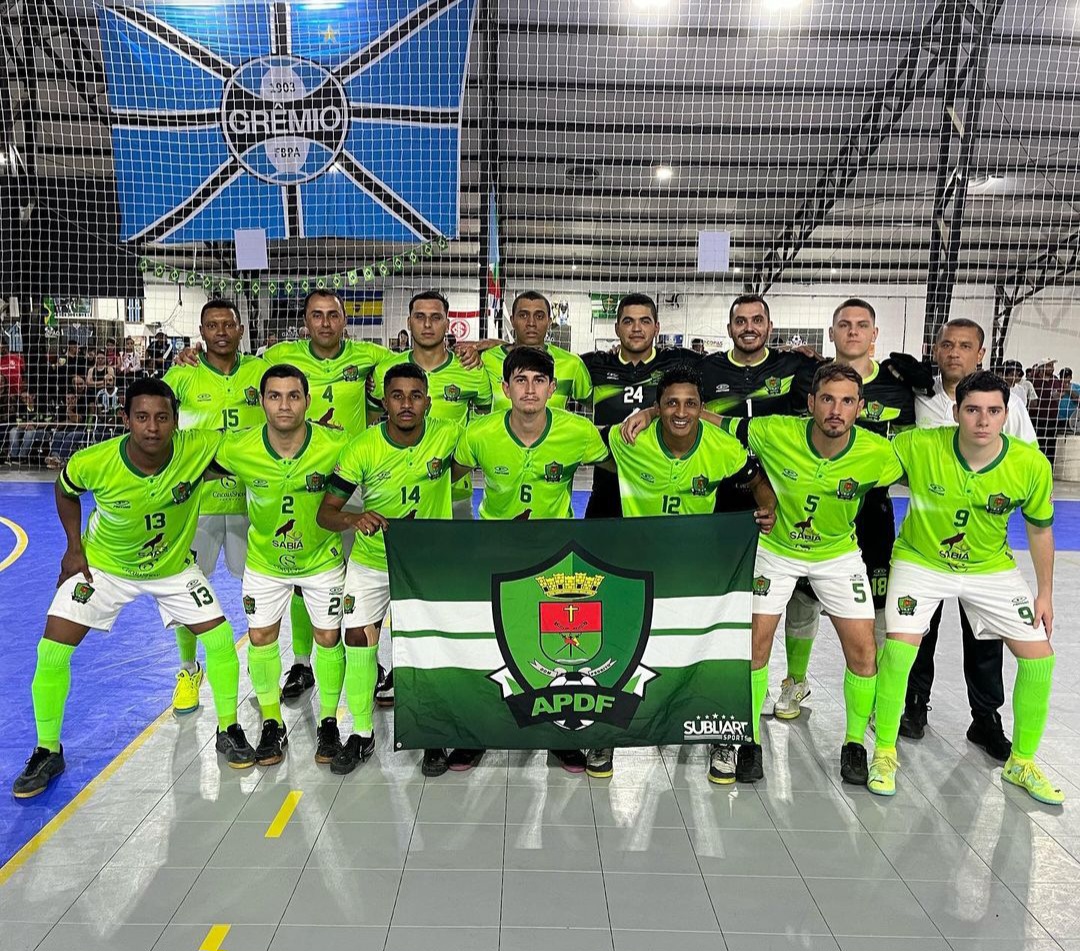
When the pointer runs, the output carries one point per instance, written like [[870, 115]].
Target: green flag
[[563, 633]]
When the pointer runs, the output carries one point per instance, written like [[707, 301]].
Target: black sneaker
[[748, 768], [435, 763], [986, 731], [600, 764], [853, 767], [272, 743], [233, 745], [573, 761], [299, 678], [460, 760], [327, 741], [42, 768], [357, 749], [913, 719], [384, 688]]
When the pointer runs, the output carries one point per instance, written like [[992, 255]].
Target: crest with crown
[[570, 586]]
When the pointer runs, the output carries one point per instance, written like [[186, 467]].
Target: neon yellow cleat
[[1026, 775], [882, 773], [185, 698]]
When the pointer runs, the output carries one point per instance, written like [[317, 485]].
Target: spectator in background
[[1068, 401], [158, 354], [29, 429], [402, 342], [271, 339], [112, 355], [69, 434], [108, 403], [70, 360], [84, 399], [130, 361], [11, 369], [95, 375], [1012, 371], [698, 345]]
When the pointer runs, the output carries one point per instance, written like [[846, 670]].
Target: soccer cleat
[[41, 769], [788, 705], [460, 760], [573, 761], [748, 765], [881, 777], [233, 745], [327, 741], [299, 678], [357, 749], [1026, 775], [986, 732], [853, 764], [913, 719], [272, 743], [600, 764], [434, 763], [722, 765], [384, 688], [185, 698]]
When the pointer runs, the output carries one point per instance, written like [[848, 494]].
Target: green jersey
[[529, 481], [453, 391], [572, 378], [142, 525], [210, 399], [283, 498], [817, 498], [652, 481], [398, 481], [958, 519], [338, 384]]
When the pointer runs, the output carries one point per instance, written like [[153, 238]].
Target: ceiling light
[[736, 270], [650, 6], [834, 270], [573, 267], [774, 6], [663, 173]]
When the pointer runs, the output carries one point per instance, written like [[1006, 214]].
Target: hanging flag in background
[[363, 309], [464, 325], [305, 119], [494, 282], [570, 633]]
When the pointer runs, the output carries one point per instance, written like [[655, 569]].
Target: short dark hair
[[531, 295], [1012, 366], [833, 371], [1065, 372], [429, 295], [748, 299], [323, 292], [679, 373], [964, 323], [150, 386], [635, 300], [283, 371], [697, 340], [856, 302], [405, 371], [528, 358], [982, 381], [219, 303]]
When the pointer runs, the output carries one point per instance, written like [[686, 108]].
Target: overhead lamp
[[650, 6], [834, 270], [775, 6], [663, 173]]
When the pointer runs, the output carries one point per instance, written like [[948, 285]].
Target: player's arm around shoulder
[[466, 455]]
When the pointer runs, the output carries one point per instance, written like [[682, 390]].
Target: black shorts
[[604, 500]]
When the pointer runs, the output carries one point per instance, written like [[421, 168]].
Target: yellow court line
[[20, 858], [20, 543], [214, 937], [284, 814]]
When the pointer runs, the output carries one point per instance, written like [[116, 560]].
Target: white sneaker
[[792, 693], [722, 765]]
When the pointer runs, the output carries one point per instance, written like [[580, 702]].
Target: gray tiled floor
[[517, 853]]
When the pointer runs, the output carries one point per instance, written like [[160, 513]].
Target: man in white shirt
[[1012, 372], [959, 350]]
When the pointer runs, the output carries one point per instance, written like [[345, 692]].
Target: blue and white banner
[[308, 119]]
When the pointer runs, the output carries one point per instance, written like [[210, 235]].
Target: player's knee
[[261, 636], [366, 636], [326, 638]]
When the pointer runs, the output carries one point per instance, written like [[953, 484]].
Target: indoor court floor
[[149, 842]]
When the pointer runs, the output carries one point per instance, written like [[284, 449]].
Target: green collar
[[873, 373], [441, 366], [747, 366], [664, 447], [963, 462], [137, 471], [813, 448], [213, 369], [315, 356], [384, 428], [647, 360], [273, 452], [543, 435]]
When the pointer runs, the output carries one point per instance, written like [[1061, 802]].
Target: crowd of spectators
[[1051, 397]]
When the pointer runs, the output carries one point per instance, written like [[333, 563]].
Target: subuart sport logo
[[718, 728], [285, 118]]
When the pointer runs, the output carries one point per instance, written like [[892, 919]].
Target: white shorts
[[221, 531], [266, 598], [367, 595], [186, 598], [999, 605], [841, 584]]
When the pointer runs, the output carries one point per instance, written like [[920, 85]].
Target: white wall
[[1046, 328]]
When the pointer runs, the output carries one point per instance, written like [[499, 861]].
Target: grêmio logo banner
[[314, 120]]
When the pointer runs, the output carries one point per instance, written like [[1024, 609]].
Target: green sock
[[759, 686], [223, 671], [52, 680], [897, 659], [798, 656], [1031, 703], [264, 665], [330, 676], [302, 635], [185, 644], [859, 701], [361, 669]]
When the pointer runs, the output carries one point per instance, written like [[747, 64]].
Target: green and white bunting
[[570, 633]]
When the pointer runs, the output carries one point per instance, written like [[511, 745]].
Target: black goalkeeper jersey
[[762, 389], [890, 402]]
